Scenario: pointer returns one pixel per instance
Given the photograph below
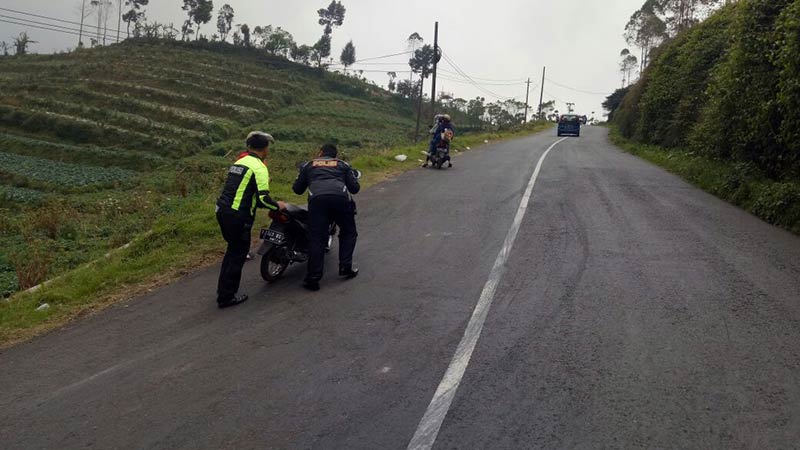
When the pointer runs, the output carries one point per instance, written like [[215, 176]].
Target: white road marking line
[[428, 428]]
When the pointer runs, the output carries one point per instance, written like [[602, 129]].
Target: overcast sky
[[494, 42]]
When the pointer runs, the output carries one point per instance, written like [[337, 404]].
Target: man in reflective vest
[[330, 183], [246, 189]]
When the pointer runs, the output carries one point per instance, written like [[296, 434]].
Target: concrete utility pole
[[541, 95], [435, 62], [119, 21], [527, 95], [83, 16]]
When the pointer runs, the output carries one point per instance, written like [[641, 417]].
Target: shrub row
[[728, 88]]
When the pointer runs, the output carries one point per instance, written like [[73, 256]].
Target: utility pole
[[527, 95], [119, 21], [435, 62], [541, 95], [419, 107], [83, 16]]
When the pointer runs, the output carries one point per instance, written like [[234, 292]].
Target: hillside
[[97, 145], [724, 98]]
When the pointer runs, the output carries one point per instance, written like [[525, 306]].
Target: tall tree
[[332, 16], [348, 57], [627, 66], [134, 15], [102, 12], [413, 42], [199, 12], [645, 30], [422, 63], [225, 21]]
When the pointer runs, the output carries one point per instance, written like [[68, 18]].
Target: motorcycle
[[285, 242], [442, 153]]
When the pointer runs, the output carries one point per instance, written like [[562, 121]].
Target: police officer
[[246, 188], [330, 183]]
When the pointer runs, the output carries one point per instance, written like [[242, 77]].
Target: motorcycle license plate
[[275, 237]]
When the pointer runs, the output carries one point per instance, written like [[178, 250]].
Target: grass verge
[[183, 239], [776, 202]]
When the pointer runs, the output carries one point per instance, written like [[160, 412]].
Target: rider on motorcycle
[[443, 124]]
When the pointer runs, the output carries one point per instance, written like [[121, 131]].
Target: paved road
[[634, 311]]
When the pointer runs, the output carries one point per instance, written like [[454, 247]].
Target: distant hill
[[92, 143]]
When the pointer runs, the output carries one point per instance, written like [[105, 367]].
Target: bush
[[728, 88]]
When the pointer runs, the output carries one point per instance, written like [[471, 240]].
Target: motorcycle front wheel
[[273, 264]]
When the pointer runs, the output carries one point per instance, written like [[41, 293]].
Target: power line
[[489, 80], [472, 81], [34, 23], [75, 33], [54, 19], [577, 90]]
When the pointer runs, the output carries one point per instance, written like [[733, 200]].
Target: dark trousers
[[236, 231], [322, 211]]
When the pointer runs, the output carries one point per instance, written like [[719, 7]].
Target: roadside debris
[[401, 158]]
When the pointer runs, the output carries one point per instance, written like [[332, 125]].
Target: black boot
[[311, 285], [236, 300], [348, 272]]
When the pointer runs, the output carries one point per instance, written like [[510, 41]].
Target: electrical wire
[[54, 19], [577, 90], [75, 33]]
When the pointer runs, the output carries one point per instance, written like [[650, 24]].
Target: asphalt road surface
[[631, 310]]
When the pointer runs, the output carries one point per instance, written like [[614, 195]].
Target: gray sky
[[578, 40]]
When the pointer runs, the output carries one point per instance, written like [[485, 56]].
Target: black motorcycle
[[442, 153], [285, 241]]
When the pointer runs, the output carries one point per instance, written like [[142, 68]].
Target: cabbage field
[[98, 145]]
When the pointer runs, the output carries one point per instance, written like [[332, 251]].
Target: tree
[[301, 54], [133, 15], [332, 16], [614, 101], [279, 43], [681, 14], [348, 57], [422, 64], [186, 30], [322, 49], [627, 66], [21, 44], [102, 10], [392, 84], [408, 89], [4, 46], [199, 12], [245, 30], [645, 30], [225, 21]]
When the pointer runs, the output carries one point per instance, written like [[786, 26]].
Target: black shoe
[[236, 300], [311, 285], [348, 272], [449, 164], [425, 165]]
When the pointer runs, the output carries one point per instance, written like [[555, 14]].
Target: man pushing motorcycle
[[331, 183]]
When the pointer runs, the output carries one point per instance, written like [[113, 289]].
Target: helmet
[[445, 117], [258, 140]]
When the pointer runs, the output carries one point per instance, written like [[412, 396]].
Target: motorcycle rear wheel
[[273, 264]]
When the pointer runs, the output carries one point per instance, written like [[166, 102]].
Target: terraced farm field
[[98, 146]]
